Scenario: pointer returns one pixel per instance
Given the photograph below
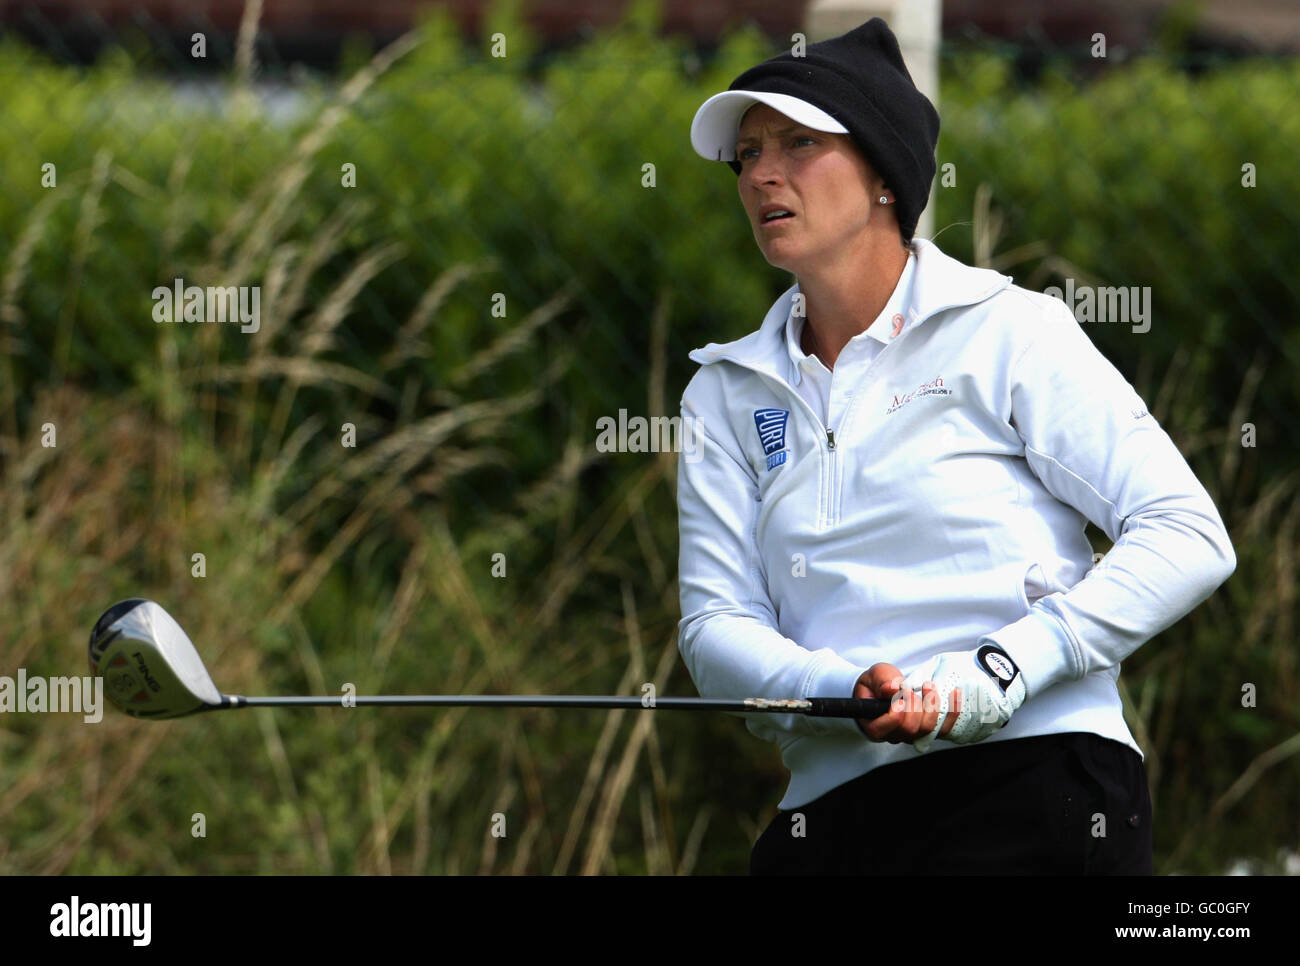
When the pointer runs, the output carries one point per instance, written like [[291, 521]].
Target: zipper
[[826, 516], [832, 504]]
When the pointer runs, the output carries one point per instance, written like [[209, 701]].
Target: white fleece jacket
[[946, 508]]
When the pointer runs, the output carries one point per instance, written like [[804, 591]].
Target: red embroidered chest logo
[[932, 388]]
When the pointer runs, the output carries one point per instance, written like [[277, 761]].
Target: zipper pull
[[830, 439]]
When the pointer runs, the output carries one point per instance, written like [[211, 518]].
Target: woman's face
[[822, 179]]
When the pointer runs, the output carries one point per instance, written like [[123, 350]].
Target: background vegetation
[[523, 176]]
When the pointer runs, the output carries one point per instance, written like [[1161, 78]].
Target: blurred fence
[[470, 259]]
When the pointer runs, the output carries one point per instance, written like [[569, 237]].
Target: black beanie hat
[[859, 78]]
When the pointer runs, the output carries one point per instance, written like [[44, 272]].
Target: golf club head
[[150, 667]]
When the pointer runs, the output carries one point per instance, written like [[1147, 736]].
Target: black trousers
[[1064, 804]]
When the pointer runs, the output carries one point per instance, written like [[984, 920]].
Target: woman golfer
[[887, 498]]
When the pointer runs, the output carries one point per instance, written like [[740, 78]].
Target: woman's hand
[[911, 715], [991, 685]]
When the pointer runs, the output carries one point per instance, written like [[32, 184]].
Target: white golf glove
[[991, 687]]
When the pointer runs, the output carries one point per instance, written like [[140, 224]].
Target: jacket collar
[[940, 282]]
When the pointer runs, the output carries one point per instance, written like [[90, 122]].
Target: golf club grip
[[848, 707]]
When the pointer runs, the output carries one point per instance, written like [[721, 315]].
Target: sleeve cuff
[[1041, 647]]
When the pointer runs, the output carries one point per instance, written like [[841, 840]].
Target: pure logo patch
[[998, 664], [771, 433]]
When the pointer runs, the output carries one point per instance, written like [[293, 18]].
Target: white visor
[[717, 122]]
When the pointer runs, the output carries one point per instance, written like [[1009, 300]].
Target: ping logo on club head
[[997, 664], [144, 671], [771, 433]]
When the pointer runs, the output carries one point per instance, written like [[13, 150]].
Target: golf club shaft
[[815, 707]]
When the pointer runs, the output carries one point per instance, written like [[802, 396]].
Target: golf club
[[151, 669]]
